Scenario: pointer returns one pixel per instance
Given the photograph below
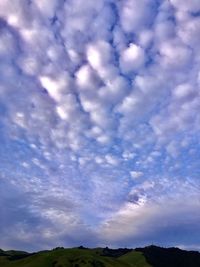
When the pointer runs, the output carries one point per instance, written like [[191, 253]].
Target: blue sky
[[99, 123]]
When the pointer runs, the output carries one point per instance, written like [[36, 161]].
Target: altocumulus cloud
[[100, 122]]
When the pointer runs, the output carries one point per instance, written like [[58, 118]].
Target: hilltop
[[151, 256]]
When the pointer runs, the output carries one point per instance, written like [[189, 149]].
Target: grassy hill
[[101, 257], [75, 257]]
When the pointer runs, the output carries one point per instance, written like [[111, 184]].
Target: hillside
[[101, 257]]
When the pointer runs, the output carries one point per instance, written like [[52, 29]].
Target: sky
[[99, 123]]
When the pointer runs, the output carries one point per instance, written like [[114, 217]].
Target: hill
[[151, 256]]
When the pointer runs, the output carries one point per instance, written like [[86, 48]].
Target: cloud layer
[[100, 122]]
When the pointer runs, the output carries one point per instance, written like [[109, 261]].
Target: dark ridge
[[170, 257], [58, 248], [13, 255], [114, 252], [3, 253], [82, 247], [20, 256], [15, 252]]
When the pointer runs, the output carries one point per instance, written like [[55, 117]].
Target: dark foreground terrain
[[102, 257]]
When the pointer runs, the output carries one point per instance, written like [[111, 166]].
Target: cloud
[[99, 129], [134, 21], [192, 6], [136, 174], [157, 220], [132, 58]]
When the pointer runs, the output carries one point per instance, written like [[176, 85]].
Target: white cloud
[[112, 160], [190, 6], [132, 58], [175, 54], [133, 21], [86, 78], [99, 54], [184, 92], [136, 174], [56, 87]]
